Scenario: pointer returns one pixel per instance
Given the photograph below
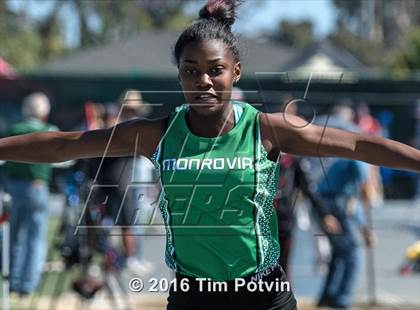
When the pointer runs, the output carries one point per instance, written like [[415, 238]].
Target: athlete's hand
[[331, 225], [369, 237]]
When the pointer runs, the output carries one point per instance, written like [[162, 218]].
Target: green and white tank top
[[216, 199]]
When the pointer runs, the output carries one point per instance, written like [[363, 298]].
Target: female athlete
[[218, 168]]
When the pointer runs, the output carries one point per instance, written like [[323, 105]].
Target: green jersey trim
[[267, 179], [164, 203]]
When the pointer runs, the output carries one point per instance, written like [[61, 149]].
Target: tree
[[296, 34], [368, 52], [406, 60], [162, 12], [21, 44], [51, 36], [123, 18], [28, 41], [378, 21], [372, 29]]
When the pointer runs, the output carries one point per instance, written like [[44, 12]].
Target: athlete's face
[[207, 72]]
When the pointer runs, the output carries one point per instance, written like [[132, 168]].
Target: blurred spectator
[[344, 184], [366, 122], [341, 117], [133, 105], [292, 179], [94, 114], [341, 189], [116, 188], [29, 186], [385, 119], [374, 186], [417, 145]]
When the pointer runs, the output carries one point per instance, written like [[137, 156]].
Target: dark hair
[[214, 23]]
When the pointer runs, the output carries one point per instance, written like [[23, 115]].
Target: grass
[[53, 283]]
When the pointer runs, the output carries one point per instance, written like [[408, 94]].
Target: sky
[[320, 12], [254, 16], [257, 16]]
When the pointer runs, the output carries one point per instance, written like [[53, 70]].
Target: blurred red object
[[4, 217], [405, 270], [370, 125], [6, 70]]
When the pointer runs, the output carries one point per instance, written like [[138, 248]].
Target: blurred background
[[84, 55]]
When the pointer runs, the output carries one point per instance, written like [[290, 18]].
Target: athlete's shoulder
[[270, 120], [148, 132], [282, 120], [245, 105], [282, 130]]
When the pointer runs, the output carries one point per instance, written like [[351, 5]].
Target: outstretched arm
[[137, 137], [293, 135]]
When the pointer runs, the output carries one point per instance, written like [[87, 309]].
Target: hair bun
[[221, 10]]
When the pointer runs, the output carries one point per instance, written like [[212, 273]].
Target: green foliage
[[380, 21], [20, 44], [177, 22], [406, 60], [124, 18], [26, 42], [296, 34], [346, 8], [52, 41], [369, 53]]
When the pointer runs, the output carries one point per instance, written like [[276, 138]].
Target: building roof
[[149, 53], [324, 55]]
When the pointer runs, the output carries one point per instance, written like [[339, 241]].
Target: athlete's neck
[[211, 126]]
